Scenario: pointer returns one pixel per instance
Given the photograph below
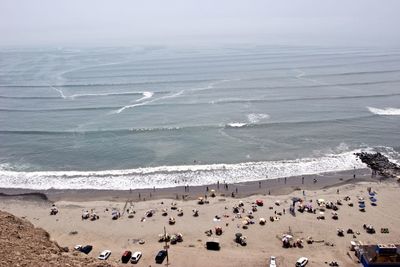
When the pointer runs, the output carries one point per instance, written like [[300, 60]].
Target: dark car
[[86, 249], [161, 256], [126, 256]]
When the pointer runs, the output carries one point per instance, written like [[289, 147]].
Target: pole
[[166, 244]]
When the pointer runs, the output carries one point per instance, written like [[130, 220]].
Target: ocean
[[138, 117]]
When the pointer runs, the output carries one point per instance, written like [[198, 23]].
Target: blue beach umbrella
[[361, 206], [373, 199]]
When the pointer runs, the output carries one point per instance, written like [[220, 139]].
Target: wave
[[253, 119], [170, 176], [236, 124], [57, 87], [385, 111], [29, 97], [91, 132], [146, 95], [60, 109], [213, 102], [175, 94], [85, 95], [257, 117], [108, 84], [180, 128], [230, 101], [146, 102], [106, 94]]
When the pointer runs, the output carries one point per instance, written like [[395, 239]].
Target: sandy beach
[[263, 240]]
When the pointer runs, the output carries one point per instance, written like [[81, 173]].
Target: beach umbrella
[[362, 205], [373, 199], [372, 194]]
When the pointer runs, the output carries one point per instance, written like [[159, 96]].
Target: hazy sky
[[130, 22]]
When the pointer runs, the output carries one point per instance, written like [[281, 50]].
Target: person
[[337, 191], [315, 180], [302, 180], [259, 184]]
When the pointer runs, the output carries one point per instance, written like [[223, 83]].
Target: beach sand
[[263, 240]]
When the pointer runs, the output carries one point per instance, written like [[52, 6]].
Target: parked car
[[136, 257], [161, 256], [301, 262], [126, 256], [86, 249], [104, 255], [272, 261]]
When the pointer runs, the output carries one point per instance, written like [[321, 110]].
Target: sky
[[166, 22]]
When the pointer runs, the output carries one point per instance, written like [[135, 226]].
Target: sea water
[[136, 117]]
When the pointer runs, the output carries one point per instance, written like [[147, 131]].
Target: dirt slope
[[21, 244]]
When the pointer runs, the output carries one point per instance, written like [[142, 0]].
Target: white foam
[[147, 102], [255, 118], [236, 124], [385, 111], [59, 91], [170, 176], [146, 95]]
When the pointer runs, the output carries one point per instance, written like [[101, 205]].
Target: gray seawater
[[143, 116]]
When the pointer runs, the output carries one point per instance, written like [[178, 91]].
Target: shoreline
[[276, 186]]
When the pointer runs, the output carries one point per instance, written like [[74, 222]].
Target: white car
[[301, 262], [272, 261], [136, 257], [104, 255]]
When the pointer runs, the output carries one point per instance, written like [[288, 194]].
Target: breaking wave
[[385, 111], [146, 95], [170, 176], [236, 124], [255, 118]]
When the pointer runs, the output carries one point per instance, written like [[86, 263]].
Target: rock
[[379, 163]]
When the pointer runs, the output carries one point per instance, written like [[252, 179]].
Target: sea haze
[[122, 118]]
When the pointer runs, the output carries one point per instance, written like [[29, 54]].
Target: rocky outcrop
[[21, 244], [380, 164]]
